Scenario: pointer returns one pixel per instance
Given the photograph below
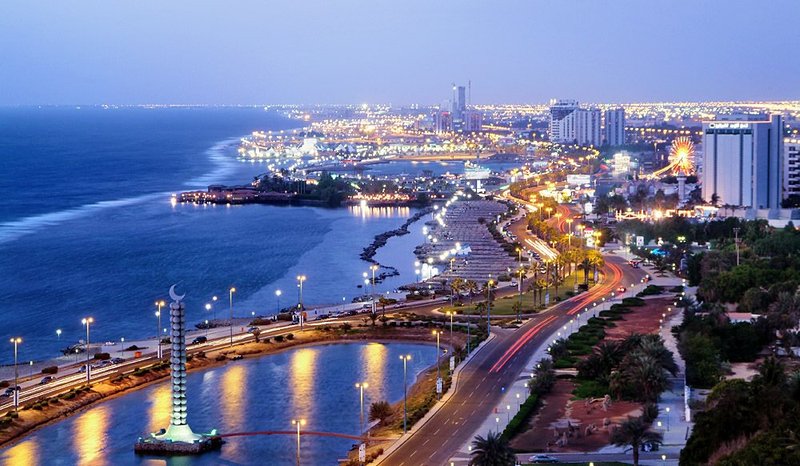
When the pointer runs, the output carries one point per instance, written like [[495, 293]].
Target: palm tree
[[594, 259], [492, 450], [472, 287], [456, 285], [635, 432]]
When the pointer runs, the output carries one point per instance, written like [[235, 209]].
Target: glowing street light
[[16, 341], [159, 305], [278, 299], [231, 291], [87, 321], [298, 423], [405, 358], [361, 386]]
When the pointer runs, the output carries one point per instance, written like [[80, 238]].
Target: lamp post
[[230, 297], [667, 410], [58, 333], [16, 341], [451, 314], [361, 386], [208, 308], [298, 423], [87, 321], [405, 358], [159, 305], [489, 306], [373, 268], [300, 280], [438, 366], [213, 305], [278, 299]]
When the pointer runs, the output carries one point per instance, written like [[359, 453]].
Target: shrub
[[5, 383], [589, 389], [278, 338], [633, 302], [290, 336], [50, 370], [102, 356]]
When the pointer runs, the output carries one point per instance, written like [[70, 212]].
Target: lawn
[[505, 306]]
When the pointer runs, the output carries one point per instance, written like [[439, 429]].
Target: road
[[500, 362]]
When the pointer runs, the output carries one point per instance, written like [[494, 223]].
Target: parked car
[[543, 459], [198, 340], [46, 380], [117, 361], [252, 329]]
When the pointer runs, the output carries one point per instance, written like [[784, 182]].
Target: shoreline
[[107, 390]]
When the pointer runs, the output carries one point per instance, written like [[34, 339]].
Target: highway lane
[[483, 380]]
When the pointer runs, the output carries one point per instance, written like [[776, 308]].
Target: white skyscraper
[[615, 127], [562, 121], [743, 161], [791, 167], [587, 126]]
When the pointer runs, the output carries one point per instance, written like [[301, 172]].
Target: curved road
[[496, 366]]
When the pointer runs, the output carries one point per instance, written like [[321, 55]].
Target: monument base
[[165, 444]]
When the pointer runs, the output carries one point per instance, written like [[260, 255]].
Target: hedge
[[519, 421]]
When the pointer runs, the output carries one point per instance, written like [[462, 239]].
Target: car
[[102, 364], [253, 329], [200, 339], [621, 289], [542, 459], [10, 391], [46, 380], [117, 361]]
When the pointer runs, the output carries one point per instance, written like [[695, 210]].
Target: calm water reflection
[[314, 383]]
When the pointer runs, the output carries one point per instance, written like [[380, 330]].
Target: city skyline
[[300, 54]]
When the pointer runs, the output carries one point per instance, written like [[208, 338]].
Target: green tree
[[634, 433], [491, 450], [380, 411]]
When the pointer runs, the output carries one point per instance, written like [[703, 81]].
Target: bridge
[[305, 432]]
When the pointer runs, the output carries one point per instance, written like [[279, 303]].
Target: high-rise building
[[442, 121], [615, 127], [743, 161], [473, 120], [459, 103], [791, 167], [587, 126], [562, 120]]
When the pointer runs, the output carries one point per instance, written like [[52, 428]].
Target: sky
[[396, 51]]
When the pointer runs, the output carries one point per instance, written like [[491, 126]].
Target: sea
[[87, 227]]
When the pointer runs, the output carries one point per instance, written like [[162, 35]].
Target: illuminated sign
[[731, 125]]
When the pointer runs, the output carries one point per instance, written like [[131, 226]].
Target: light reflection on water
[[314, 383]]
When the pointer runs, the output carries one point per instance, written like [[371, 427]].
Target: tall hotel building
[[743, 161], [587, 127], [791, 167], [562, 120], [615, 127]]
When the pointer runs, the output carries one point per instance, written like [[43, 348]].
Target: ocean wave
[[225, 165], [10, 231]]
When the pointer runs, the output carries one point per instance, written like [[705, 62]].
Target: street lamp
[[16, 341], [373, 268], [230, 296], [278, 299], [58, 333], [361, 386], [298, 423], [405, 358], [87, 321], [489, 306], [438, 366], [159, 304], [300, 280], [451, 314], [213, 305]]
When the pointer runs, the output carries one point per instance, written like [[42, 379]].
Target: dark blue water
[[313, 383], [87, 229]]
